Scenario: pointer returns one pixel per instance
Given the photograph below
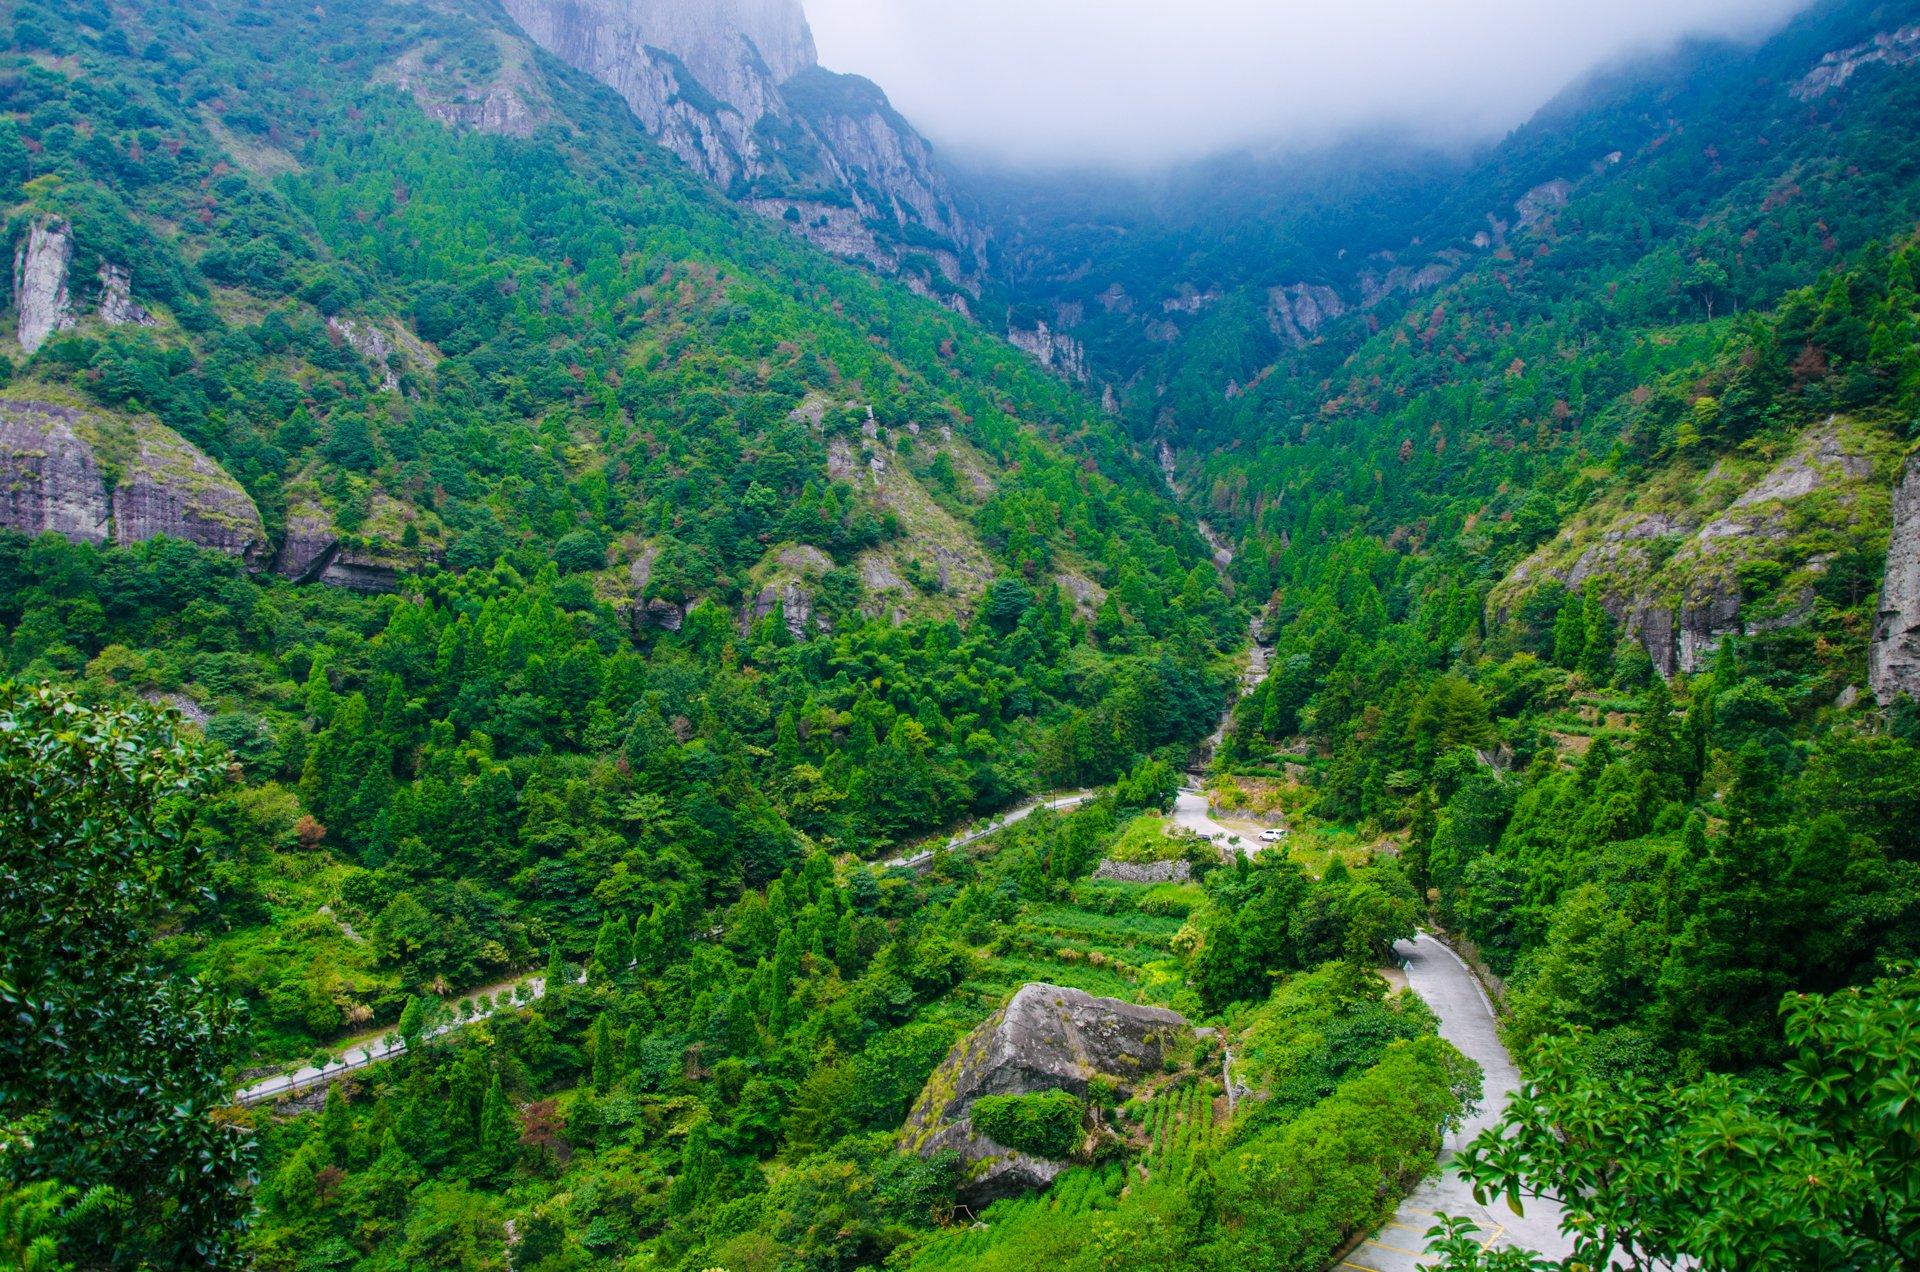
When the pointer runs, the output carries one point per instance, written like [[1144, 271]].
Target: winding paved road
[[1020, 812], [1191, 811], [1466, 1020], [308, 1077]]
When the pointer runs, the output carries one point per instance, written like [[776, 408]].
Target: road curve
[[1191, 811], [1466, 1020]]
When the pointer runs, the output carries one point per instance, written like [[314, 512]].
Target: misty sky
[[1141, 82]]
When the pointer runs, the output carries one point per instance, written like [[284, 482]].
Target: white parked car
[[1272, 836]]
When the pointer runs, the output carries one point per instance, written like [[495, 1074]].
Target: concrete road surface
[[1466, 1020], [1191, 812], [919, 861]]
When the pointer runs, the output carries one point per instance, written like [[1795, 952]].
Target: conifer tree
[[645, 950], [1657, 745], [600, 1044], [699, 1164], [336, 1126], [1596, 654], [611, 947], [499, 1136]]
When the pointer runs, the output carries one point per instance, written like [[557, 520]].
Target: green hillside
[[465, 584]]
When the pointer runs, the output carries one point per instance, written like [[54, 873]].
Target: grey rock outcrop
[[310, 542], [49, 479], [1889, 48], [40, 299], [1046, 1038], [794, 602], [171, 487], [370, 342], [1893, 659], [1055, 350], [314, 551], [1546, 197], [733, 87], [55, 462], [658, 614], [360, 570], [794, 576], [117, 305], [1143, 871], [1297, 311], [1671, 578], [645, 613]]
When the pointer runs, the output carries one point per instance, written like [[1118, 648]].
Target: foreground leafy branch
[[1823, 1172], [109, 1069]]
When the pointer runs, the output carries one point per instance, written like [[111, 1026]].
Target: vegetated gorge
[[607, 667]]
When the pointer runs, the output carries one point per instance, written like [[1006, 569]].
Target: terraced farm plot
[[1178, 1122], [1169, 900], [1022, 1233], [1127, 955]]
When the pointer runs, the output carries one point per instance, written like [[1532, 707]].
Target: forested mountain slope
[[1590, 555], [449, 550], [543, 536], [1586, 570], [1759, 161]]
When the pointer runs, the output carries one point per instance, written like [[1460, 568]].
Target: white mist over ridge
[[1142, 83]]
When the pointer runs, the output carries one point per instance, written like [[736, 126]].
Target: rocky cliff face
[[1893, 666], [1889, 48], [1297, 311], [169, 486], [370, 342], [40, 298], [49, 479], [1545, 198], [733, 87], [42, 301], [55, 463], [1046, 1038], [1055, 350], [1669, 563]]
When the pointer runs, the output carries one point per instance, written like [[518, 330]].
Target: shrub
[[1046, 1123]]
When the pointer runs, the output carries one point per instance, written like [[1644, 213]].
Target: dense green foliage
[[1046, 1123], [1824, 1177], [1281, 1195], [732, 1100], [109, 1068], [583, 732], [614, 374]]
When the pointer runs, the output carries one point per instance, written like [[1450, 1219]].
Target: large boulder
[[1046, 1038]]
